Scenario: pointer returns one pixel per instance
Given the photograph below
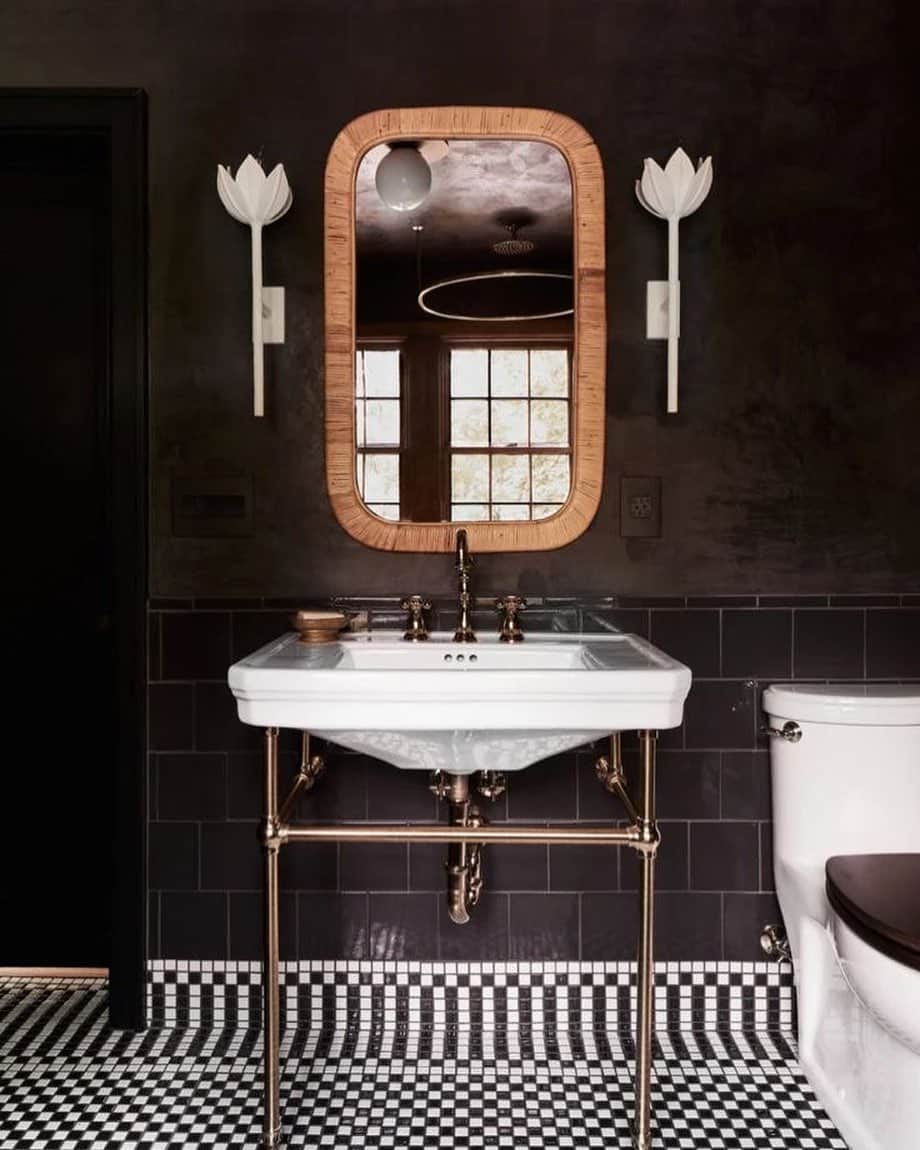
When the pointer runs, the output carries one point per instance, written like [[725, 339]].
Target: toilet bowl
[[845, 766]]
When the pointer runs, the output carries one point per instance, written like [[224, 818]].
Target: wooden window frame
[[589, 353]]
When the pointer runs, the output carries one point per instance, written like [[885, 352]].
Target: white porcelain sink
[[461, 707]]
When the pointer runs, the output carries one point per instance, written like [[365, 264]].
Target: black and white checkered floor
[[67, 1082]]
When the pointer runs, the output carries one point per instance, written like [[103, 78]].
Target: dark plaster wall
[[791, 466]]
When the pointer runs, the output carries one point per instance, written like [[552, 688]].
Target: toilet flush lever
[[789, 731]]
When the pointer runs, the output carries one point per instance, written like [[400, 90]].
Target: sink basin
[[461, 707]]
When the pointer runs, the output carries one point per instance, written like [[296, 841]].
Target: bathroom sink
[[461, 707]]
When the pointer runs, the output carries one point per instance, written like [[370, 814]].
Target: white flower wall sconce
[[258, 200], [671, 193]]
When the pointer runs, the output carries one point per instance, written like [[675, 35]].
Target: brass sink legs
[[271, 1121], [463, 834], [642, 1122]]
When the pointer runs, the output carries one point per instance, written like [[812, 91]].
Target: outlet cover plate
[[640, 506]]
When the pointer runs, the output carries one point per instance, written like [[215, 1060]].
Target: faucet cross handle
[[510, 607], [416, 606]]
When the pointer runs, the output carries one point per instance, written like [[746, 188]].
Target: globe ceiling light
[[403, 178]]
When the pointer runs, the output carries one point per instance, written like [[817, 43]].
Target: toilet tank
[[849, 785]]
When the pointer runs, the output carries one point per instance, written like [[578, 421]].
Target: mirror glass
[[464, 330]]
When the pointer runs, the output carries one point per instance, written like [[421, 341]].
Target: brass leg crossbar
[[641, 835]]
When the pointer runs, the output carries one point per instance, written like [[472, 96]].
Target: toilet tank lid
[[859, 704]]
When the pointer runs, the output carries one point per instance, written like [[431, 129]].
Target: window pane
[[383, 421], [549, 372], [381, 478], [359, 423], [509, 423], [359, 373], [551, 478], [469, 423], [469, 478], [469, 372], [510, 478], [549, 423], [544, 510], [509, 372], [477, 512], [359, 473], [510, 511], [385, 510], [381, 372]]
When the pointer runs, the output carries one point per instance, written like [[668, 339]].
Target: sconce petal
[[230, 196], [699, 188], [250, 179], [656, 188], [680, 172], [644, 202], [275, 195]]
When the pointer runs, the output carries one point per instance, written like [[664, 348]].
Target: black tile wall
[[715, 880]]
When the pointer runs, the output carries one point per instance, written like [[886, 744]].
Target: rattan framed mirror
[[480, 405]]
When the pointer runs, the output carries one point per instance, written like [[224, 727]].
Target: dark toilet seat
[[878, 897]]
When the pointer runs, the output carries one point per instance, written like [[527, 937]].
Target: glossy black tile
[[687, 783], [745, 916], [373, 866], [171, 716], [720, 715], [577, 868], [253, 629], [893, 643], [193, 924], [756, 644], [192, 786], [332, 926], [513, 867], [724, 856], [395, 795], [196, 644], [483, 939], [692, 637], [217, 726], [608, 926], [829, 644], [153, 646], [767, 881], [309, 866], [246, 926], [544, 926], [746, 785], [231, 856], [687, 926], [172, 856], [544, 791], [601, 620], [403, 926]]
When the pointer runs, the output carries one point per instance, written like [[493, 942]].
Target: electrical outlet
[[640, 506]]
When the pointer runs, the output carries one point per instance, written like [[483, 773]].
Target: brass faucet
[[464, 632]]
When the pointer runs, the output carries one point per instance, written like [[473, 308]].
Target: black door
[[72, 577], [57, 576]]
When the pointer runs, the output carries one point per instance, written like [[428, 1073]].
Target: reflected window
[[510, 432], [378, 428]]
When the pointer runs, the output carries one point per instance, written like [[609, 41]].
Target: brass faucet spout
[[464, 632]]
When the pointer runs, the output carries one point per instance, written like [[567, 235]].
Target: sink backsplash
[[386, 901]]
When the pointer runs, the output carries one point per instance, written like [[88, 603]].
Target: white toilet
[[845, 766]]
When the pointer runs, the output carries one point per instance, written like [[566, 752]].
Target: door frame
[[120, 115]]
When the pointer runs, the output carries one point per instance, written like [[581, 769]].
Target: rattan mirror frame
[[589, 366]]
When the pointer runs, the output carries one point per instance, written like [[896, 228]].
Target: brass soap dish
[[318, 626]]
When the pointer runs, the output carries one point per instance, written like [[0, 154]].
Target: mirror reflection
[[464, 330]]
